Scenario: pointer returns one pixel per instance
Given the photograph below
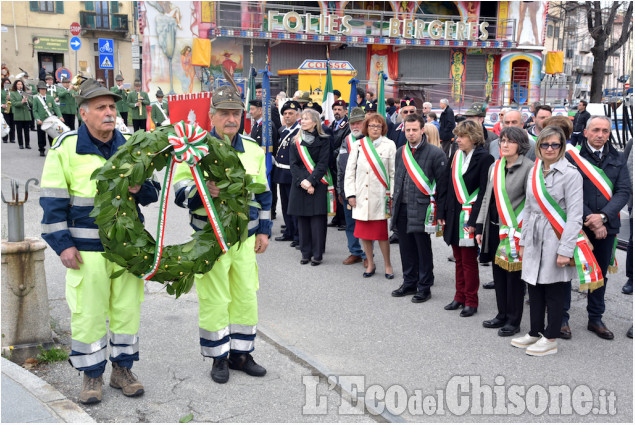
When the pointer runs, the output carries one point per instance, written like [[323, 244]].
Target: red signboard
[[75, 28]]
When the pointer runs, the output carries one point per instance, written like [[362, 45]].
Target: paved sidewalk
[[27, 398]]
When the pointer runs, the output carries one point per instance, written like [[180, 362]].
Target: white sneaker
[[543, 347], [524, 341]]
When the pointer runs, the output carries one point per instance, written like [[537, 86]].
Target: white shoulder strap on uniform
[[161, 109], [45, 107], [63, 136]]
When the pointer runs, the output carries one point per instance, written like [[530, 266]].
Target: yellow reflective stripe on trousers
[[241, 345], [93, 347], [54, 227], [242, 329], [215, 351], [213, 336], [124, 339], [115, 351]]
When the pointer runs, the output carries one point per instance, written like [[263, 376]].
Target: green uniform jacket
[[67, 100], [39, 113], [156, 115], [21, 111], [5, 95], [122, 105], [133, 97]]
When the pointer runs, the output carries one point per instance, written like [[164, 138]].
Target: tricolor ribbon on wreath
[[507, 254], [585, 263], [378, 168], [601, 181], [326, 179], [426, 187], [466, 200], [189, 147]]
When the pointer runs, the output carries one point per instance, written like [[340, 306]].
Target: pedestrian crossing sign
[[106, 61]]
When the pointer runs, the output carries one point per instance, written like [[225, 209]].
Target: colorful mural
[[520, 76], [490, 71], [530, 21], [457, 73], [382, 58]]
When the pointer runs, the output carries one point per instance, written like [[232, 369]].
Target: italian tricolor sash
[[350, 139], [466, 200], [600, 180], [588, 270], [507, 255], [425, 186], [378, 168], [326, 179]]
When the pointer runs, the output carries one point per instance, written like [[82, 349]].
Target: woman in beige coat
[[368, 186]]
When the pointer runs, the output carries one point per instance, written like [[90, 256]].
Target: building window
[[102, 17], [559, 44], [549, 30], [556, 32], [47, 6]]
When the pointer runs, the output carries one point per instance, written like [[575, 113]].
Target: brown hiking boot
[[122, 378], [91, 390]]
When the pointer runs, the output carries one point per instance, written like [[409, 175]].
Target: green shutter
[[114, 7], [34, 6], [90, 5], [59, 7]]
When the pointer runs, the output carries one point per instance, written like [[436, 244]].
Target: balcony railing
[[115, 22]]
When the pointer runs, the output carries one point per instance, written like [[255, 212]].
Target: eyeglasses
[[376, 126], [554, 146], [408, 112]]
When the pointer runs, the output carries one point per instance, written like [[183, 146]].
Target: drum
[[165, 122], [5, 128], [121, 126], [53, 126]]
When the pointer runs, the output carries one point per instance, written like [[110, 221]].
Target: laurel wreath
[[126, 241]]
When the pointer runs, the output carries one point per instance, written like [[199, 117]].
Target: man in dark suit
[[398, 135], [446, 126], [340, 129], [579, 123], [255, 110], [601, 212], [410, 206]]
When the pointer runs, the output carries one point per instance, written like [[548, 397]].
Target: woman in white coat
[[368, 186]]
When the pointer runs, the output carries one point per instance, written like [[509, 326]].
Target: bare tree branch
[[627, 29]]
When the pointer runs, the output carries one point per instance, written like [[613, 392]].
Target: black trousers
[[9, 120], [139, 125], [41, 138], [548, 297], [124, 116], [415, 250], [577, 138], [23, 128], [274, 199], [69, 120], [290, 221], [629, 250], [312, 231], [510, 295]]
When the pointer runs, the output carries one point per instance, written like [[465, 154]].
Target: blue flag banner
[[266, 121], [353, 98]]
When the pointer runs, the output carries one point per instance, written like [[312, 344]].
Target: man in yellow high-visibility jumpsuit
[[228, 307]]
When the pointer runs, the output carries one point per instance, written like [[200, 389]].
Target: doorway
[[519, 92], [50, 62]]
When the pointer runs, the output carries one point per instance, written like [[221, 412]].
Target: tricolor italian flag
[[328, 99]]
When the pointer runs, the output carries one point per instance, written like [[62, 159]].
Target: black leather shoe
[[369, 274], [21, 147], [28, 147], [565, 330], [454, 305], [341, 228], [316, 263], [333, 224], [403, 291], [600, 329], [489, 285], [494, 323], [508, 331], [283, 238], [304, 261], [629, 333], [393, 238], [246, 363], [468, 311], [421, 297], [220, 372], [390, 276], [628, 288], [451, 258], [42, 153], [294, 244]]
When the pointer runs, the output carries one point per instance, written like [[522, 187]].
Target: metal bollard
[[15, 210]]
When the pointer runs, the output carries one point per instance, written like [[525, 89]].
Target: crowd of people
[[532, 202]]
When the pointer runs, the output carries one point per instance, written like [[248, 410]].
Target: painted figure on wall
[[188, 68]]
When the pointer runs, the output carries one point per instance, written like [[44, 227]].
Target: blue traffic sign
[[106, 45], [75, 43], [106, 61]]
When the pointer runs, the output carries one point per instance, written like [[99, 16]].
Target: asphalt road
[[424, 362]]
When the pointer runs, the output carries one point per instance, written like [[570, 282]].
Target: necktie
[[598, 155]]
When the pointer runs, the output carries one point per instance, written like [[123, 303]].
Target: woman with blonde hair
[[368, 186], [432, 134]]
